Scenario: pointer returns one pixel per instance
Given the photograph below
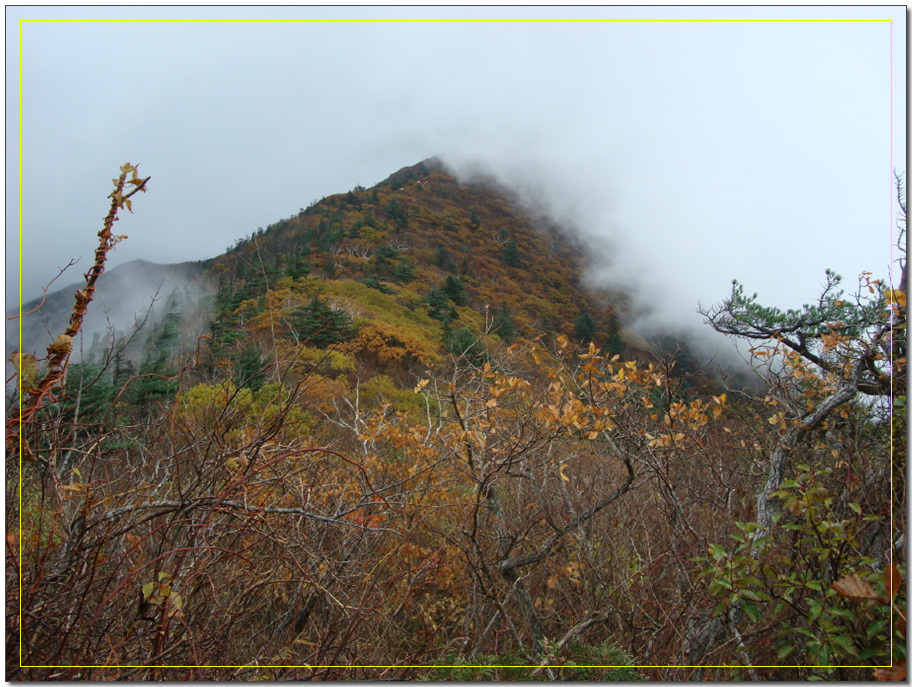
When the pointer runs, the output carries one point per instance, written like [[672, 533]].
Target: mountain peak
[[413, 261], [425, 167]]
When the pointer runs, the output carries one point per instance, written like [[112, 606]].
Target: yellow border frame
[[21, 21]]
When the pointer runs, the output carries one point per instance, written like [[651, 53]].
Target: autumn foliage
[[409, 446]]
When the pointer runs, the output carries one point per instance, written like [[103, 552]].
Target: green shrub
[[604, 662]]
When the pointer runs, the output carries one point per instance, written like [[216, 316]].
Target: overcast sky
[[688, 152]]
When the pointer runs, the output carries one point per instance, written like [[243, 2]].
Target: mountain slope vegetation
[[415, 258], [401, 441]]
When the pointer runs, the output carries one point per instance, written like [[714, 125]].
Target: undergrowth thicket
[[399, 452]]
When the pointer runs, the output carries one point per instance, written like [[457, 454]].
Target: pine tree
[[250, 366], [440, 307], [511, 254], [319, 325], [404, 271], [442, 259], [584, 326], [503, 324], [455, 290]]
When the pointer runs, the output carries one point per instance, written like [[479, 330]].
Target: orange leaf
[[891, 673], [853, 587], [892, 580]]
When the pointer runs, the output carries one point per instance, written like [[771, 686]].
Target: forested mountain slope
[[135, 293], [416, 265], [396, 439], [408, 271]]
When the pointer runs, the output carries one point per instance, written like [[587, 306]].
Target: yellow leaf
[[562, 474], [26, 368], [62, 345]]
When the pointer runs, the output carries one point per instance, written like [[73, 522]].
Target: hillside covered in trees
[[397, 438], [418, 266]]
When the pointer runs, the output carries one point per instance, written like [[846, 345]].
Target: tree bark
[[779, 458]]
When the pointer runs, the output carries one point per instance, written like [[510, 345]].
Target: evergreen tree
[[511, 254], [384, 256], [503, 324], [299, 266], [442, 259], [584, 326], [250, 367], [89, 391], [158, 353], [397, 212], [352, 199], [123, 368], [373, 282], [463, 343], [455, 290], [440, 307], [404, 270], [319, 325], [613, 343]]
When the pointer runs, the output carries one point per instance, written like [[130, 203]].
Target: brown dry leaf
[[892, 580], [62, 345], [893, 673], [853, 587]]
